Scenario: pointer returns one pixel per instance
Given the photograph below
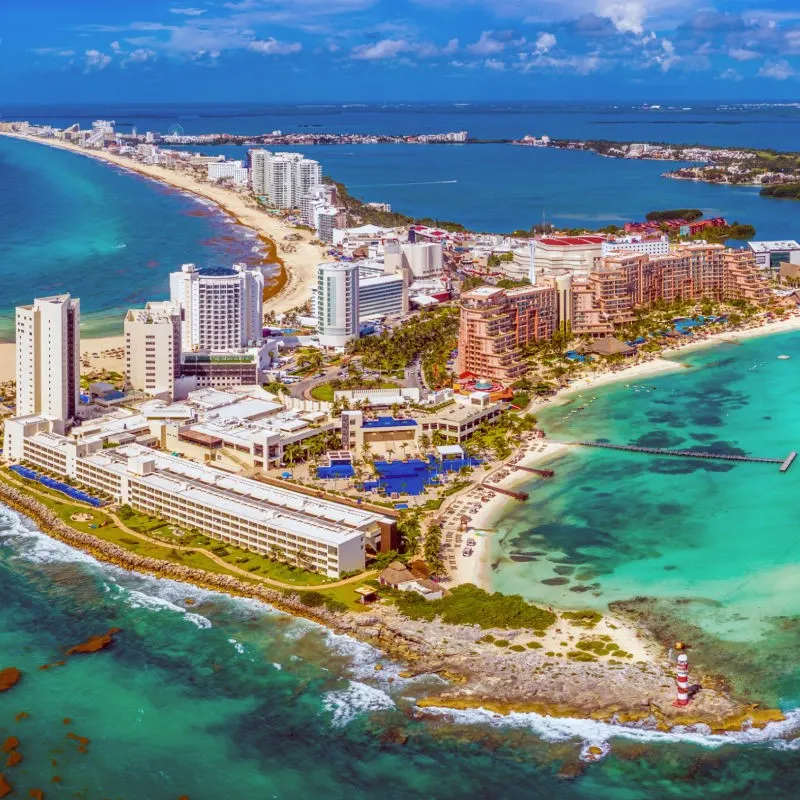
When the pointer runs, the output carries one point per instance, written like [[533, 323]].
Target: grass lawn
[[325, 390]]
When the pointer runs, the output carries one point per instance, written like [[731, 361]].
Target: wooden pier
[[543, 473], [658, 451], [522, 496]]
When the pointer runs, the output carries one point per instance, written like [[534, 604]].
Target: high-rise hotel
[[48, 357]]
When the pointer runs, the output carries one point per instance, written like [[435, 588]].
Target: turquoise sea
[[706, 551], [107, 236]]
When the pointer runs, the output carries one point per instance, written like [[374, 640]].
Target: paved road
[[415, 379]]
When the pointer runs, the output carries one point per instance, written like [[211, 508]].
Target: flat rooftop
[[294, 512], [768, 247]]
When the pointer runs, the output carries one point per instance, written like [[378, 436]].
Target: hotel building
[[422, 259], [221, 307], [283, 178], [280, 523], [622, 282], [48, 357], [229, 170], [337, 303], [153, 349], [496, 324]]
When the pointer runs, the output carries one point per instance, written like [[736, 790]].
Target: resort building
[[550, 254], [456, 421], [221, 307], [770, 255], [48, 357], [652, 245], [234, 171], [283, 179], [620, 283], [287, 525], [422, 259], [153, 349], [382, 296], [497, 323], [337, 304], [244, 366]]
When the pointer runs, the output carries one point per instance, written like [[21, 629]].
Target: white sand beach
[[299, 258]]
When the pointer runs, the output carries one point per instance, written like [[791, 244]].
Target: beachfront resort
[[395, 392]]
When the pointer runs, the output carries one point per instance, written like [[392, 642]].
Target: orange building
[[623, 282], [496, 324]]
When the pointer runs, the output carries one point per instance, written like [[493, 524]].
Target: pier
[[542, 473], [522, 496], [658, 451]]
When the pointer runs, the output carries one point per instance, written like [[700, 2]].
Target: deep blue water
[[73, 224], [500, 188]]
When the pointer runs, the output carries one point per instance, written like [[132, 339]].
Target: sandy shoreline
[[299, 262]]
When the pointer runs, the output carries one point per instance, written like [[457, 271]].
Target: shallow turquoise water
[[111, 238], [709, 548]]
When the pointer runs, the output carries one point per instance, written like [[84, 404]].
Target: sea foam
[[358, 698]]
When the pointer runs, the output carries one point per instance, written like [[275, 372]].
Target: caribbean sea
[[704, 551], [105, 235]]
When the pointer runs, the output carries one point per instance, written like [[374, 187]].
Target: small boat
[[784, 358], [120, 246]]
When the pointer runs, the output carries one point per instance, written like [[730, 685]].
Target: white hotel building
[[337, 303], [229, 170], [280, 523], [48, 357]]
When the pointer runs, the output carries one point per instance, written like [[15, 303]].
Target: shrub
[[583, 619], [501, 642], [517, 648], [580, 655], [534, 645], [467, 605], [312, 599]]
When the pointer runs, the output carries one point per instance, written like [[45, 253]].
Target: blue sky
[[306, 50]]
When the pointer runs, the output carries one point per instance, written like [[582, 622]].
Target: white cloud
[[188, 12], [451, 47], [140, 55], [493, 63], [665, 58], [628, 17], [743, 54], [385, 48], [486, 45], [730, 75], [777, 70], [272, 46], [115, 46], [96, 61], [545, 42]]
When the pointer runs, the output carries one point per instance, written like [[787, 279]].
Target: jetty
[[522, 496], [659, 451], [543, 473]]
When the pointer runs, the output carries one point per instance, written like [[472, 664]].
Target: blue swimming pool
[[50, 483], [411, 477]]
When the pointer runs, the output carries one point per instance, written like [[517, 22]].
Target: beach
[[299, 258]]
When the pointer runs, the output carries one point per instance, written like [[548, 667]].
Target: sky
[[56, 51]]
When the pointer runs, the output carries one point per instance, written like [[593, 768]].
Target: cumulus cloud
[[743, 54], [545, 42], [487, 45], [140, 55], [494, 64], [730, 75], [385, 48], [777, 70], [188, 12], [272, 46], [627, 16], [96, 61]]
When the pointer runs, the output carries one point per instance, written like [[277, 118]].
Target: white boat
[[784, 358]]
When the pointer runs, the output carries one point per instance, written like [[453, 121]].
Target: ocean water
[[705, 551], [499, 188], [227, 698], [111, 238]]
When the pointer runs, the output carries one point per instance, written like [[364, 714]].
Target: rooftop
[[389, 422], [570, 241], [767, 247]]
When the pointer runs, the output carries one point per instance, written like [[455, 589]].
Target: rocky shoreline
[[517, 676]]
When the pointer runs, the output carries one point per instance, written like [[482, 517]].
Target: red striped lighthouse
[[682, 679]]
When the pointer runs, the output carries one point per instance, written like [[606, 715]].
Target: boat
[[784, 358]]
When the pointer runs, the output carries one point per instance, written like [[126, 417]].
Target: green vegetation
[[431, 336], [689, 214], [469, 605], [276, 387], [501, 642], [784, 190], [472, 282], [517, 648], [580, 655], [508, 283], [496, 259], [432, 548], [534, 645], [583, 619], [385, 219], [722, 233], [496, 437], [325, 390]]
